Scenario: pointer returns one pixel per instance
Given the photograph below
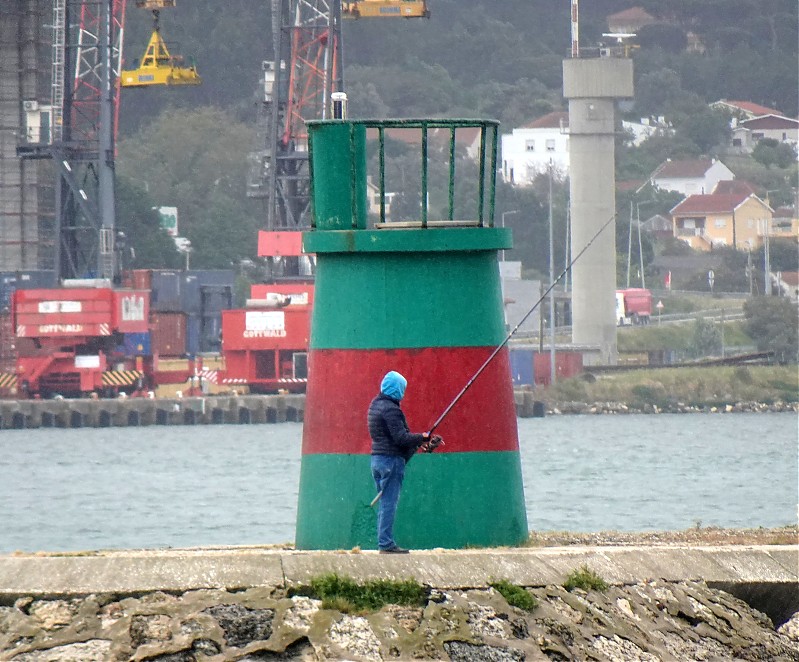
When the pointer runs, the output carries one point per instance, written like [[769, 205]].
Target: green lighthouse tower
[[422, 297]]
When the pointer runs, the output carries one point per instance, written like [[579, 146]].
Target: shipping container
[[165, 291], [8, 351], [208, 290], [567, 364], [135, 344], [521, 366], [140, 279], [23, 280], [193, 334], [168, 334], [211, 333]]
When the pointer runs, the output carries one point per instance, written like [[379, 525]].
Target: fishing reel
[[433, 442]]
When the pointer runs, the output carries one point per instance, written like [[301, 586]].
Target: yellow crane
[[158, 66], [385, 9]]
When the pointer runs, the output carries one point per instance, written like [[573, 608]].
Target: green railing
[[355, 146]]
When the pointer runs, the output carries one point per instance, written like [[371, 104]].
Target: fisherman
[[393, 445]]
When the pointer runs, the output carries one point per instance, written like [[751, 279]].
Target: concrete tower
[[592, 86]]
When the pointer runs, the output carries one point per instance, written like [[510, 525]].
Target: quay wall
[[249, 409], [132, 412]]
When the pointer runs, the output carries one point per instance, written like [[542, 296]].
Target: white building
[[690, 176], [529, 150], [646, 128]]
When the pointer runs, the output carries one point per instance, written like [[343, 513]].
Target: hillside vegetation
[[188, 147], [691, 386]]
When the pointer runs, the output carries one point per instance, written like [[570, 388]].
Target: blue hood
[[393, 385]]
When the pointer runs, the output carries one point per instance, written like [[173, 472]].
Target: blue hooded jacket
[[387, 425], [394, 385]]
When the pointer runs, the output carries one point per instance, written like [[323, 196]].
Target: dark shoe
[[395, 550]]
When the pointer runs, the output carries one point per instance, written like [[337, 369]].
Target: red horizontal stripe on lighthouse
[[484, 419]]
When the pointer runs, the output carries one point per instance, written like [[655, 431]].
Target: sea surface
[[72, 490]]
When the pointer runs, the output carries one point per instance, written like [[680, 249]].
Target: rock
[[242, 625], [461, 651], [790, 629], [80, 652], [648, 621]]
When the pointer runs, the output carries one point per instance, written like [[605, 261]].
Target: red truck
[[633, 306]]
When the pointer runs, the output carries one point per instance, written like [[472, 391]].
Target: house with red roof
[[528, 150], [739, 186], [690, 176], [744, 110], [467, 139], [779, 128], [630, 21], [722, 219]]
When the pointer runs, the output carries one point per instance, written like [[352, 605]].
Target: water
[[230, 485]]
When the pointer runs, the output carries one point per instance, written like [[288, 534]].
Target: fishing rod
[[516, 328]]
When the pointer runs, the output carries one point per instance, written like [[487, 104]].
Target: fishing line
[[516, 328]]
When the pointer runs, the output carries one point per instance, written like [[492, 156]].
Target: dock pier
[[204, 410]]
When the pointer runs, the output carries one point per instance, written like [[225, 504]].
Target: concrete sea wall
[[250, 409], [662, 603]]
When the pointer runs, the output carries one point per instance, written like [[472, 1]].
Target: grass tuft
[[586, 579], [346, 595], [516, 596]]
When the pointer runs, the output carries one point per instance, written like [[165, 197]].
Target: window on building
[[551, 145], [529, 145], [721, 223], [736, 142]]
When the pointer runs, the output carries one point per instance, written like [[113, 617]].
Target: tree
[[773, 324], [772, 152], [197, 161], [148, 246], [671, 38], [783, 255], [706, 339], [707, 129]]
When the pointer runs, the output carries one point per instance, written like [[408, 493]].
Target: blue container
[[209, 290], [211, 337], [521, 366], [135, 344], [165, 289], [193, 335], [30, 279]]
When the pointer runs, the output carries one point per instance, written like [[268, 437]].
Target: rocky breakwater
[[647, 621], [556, 408]]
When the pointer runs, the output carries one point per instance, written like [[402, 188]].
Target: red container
[[168, 334], [567, 364], [141, 279]]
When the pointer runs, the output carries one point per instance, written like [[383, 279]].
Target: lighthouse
[[422, 297]]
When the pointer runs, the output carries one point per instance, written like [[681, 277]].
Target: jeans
[[388, 472]]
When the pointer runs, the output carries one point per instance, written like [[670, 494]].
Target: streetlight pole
[[504, 214], [501, 270], [552, 371]]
